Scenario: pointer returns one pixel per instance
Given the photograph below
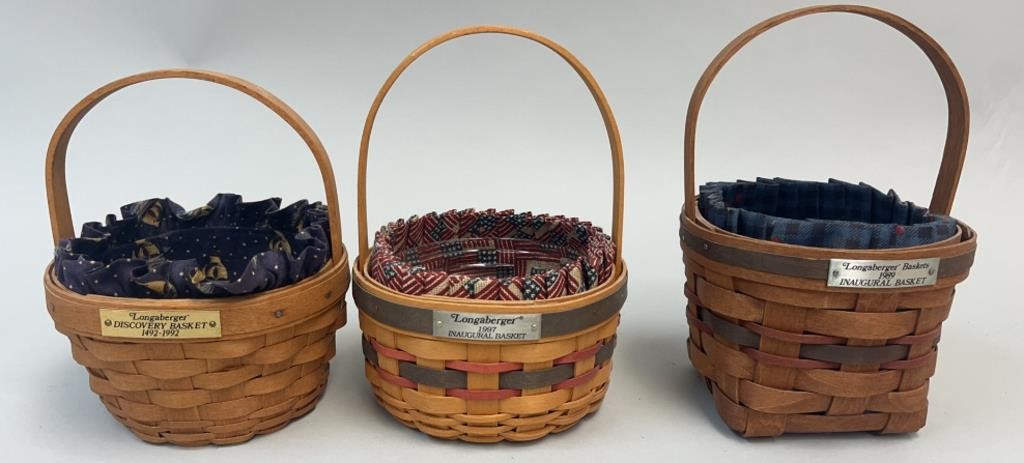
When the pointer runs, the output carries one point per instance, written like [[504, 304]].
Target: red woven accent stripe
[[691, 295], [392, 353], [698, 323], [787, 362], [790, 362], [919, 338], [797, 338], [579, 355], [496, 394], [909, 363], [395, 379], [577, 381], [481, 367], [818, 339]]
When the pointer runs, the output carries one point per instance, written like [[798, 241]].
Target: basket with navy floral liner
[[207, 326], [816, 306], [490, 325]]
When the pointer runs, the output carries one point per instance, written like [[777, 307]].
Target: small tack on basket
[[261, 360], [786, 346], [553, 375]]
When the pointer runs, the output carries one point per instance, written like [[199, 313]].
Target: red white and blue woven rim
[[492, 255]]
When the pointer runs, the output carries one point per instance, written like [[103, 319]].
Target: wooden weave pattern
[[781, 349], [770, 390], [218, 392], [490, 390], [531, 415], [268, 362]]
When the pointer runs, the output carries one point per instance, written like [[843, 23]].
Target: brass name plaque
[[160, 324]]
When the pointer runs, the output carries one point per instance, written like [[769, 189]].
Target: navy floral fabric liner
[[226, 248], [835, 214]]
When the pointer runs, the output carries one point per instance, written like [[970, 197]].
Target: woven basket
[[489, 391], [264, 361], [782, 349]]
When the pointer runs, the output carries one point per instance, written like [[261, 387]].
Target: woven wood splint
[[782, 350], [266, 366], [551, 376]]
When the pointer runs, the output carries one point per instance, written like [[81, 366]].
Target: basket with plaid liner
[[490, 325], [207, 326], [816, 306]]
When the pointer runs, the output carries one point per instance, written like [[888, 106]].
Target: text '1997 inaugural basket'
[[816, 307], [176, 362], [490, 325]]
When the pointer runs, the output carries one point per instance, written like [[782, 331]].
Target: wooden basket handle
[[56, 183], [588, 79], [956, 97]]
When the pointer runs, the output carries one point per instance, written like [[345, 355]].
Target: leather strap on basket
[[956, 97], [56, 182], [420, 320], [584, 73]]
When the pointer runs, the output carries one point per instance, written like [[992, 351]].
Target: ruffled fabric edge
[[589, 254], [128, 257], [833, 214]]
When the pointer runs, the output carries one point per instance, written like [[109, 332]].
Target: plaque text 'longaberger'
[[847, 273], [486, 327], [156, 324]]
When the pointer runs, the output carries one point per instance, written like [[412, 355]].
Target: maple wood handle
[[56, 182], [588, 79], [955, 149]]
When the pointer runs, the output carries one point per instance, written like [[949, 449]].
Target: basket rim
[[597, 245], [365, 319], [963, 242], [79, 313], [806, 268], [361, 277]]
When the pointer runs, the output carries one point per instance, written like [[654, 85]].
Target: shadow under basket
[[233, 367], [801, 339]]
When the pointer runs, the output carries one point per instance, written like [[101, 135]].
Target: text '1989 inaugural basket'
[[490, 325], [816, 307], [175, 364]]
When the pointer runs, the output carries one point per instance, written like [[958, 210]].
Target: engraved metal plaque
[[486, 327], [882, 274], [160, 324]]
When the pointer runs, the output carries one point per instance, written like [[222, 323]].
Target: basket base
[[749, 422], [219, 392], [200, 433], [248, 428], [490, 391], [487, 429], [752, 423]]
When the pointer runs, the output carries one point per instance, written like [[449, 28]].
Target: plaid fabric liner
[[491, 255], [227, 247], [835, 214]]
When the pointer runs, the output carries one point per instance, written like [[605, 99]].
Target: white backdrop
[[500, 122]]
